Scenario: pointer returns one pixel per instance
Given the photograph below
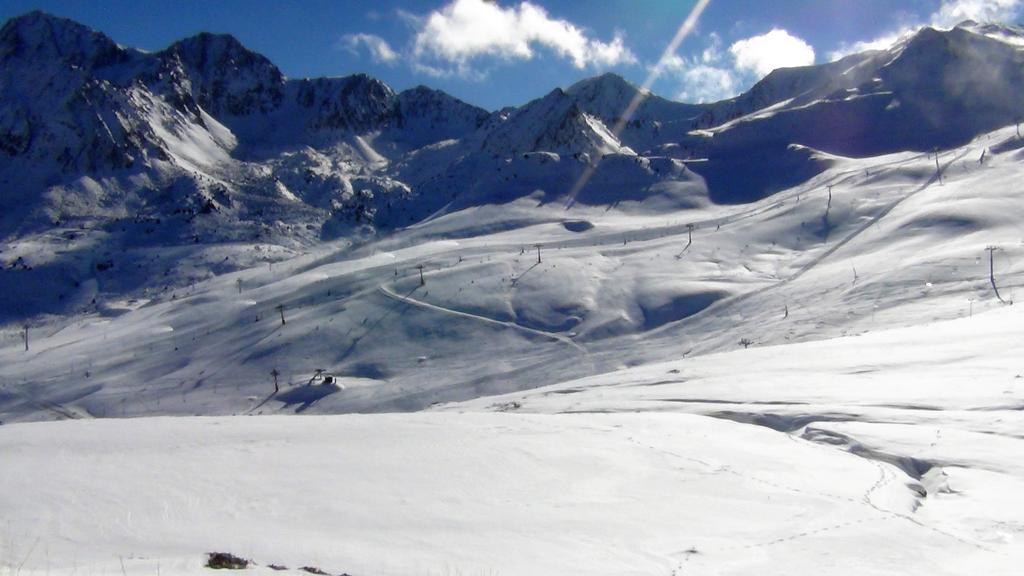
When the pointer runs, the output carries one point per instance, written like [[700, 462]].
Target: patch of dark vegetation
[[225, 561]]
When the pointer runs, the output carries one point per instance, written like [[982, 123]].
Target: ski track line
[[884, 479], [752, 478], [503, 323]]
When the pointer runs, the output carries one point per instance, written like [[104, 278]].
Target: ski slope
[[894, 246]]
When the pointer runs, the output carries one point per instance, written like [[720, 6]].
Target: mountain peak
[[360, 83], [213, 38], [606, 96], [606, 81], [930, 38], [652, 119], [37, 18], [427, 115], [226, 76], [357, 102], [421, 91], [206, 50], [43, 37], [554, 123]]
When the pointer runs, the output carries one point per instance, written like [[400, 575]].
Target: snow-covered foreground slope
[[888, 453]]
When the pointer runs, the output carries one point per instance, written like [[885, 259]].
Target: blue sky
[[502, 53]]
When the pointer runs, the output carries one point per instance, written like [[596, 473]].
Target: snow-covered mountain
[[799, 85], [207, 143], [554, 123], [203, 143], [655, 121], [934, 89], [158, 163], [75, 103], [222, 76], [765, 335]]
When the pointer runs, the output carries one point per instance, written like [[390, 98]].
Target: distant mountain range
[[207, 142]]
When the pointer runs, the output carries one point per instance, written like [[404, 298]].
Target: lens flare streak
[[684, 30]]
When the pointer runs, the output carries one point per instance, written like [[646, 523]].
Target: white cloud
[[707, 77], [465, 30], [716, 73], [379, 49], [775, 49], [949, 14], [702, 83], [952, 12]]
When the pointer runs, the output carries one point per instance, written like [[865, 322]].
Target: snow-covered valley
[[716, 355]]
